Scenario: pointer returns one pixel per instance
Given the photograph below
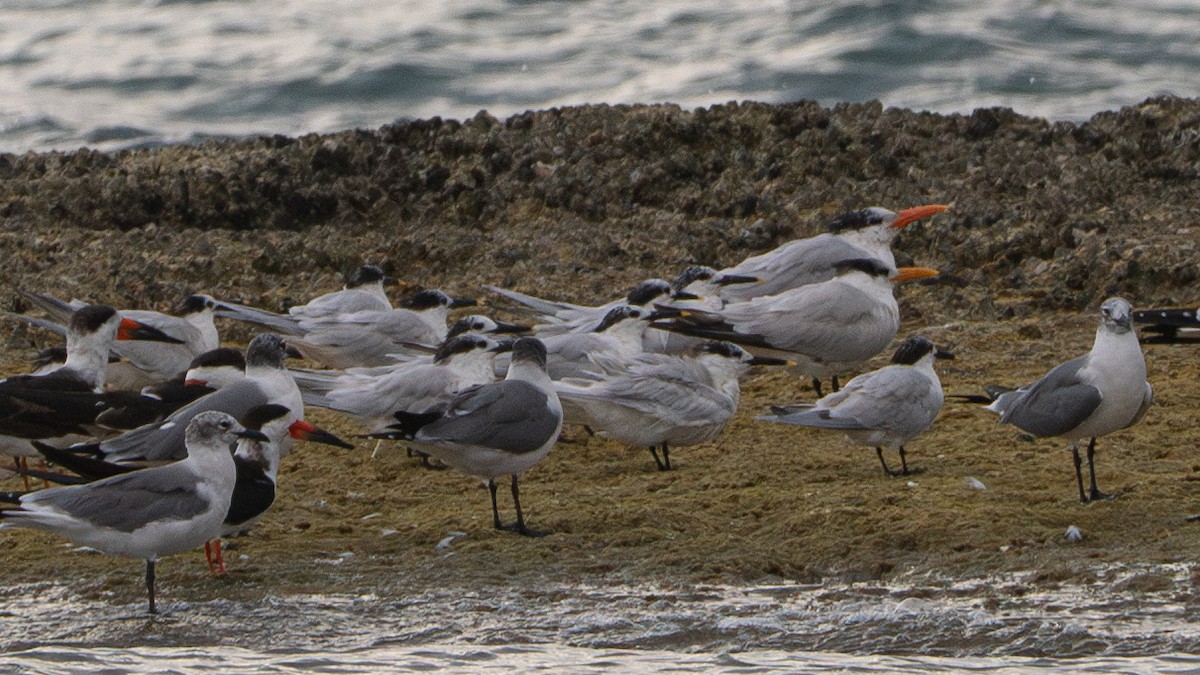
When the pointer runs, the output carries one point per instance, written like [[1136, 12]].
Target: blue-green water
[[116, 73]]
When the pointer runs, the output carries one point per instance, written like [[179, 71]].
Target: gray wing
[[276, 322], [814, 320], [345, 301], [165, 439], [128, 501], [797, 263], [512, 416], [1147, 399], [1053, 405], [817, 417]]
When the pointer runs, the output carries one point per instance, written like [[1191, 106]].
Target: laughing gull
[[860, 234], [266, 381], [1090, 396], [148, 513], [257, 465], [493, 430], [827, 328], [659, 401], [885, 408], [148, 362]]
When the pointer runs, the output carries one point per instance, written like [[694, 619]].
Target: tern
[[149, 513], [372, 397], [885, 408], [860, 234], [364, 339], [563, 317], [363, 292], [827, 328], [493, 430], [659, 401], [1087, 397]]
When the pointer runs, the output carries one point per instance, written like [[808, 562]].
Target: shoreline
[[1047, 219]]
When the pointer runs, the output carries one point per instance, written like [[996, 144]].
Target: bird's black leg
[[1083, 498], [833, 382], [903, 461], [816, 382], [658, 462], [666, 450], [150, 584], [495, 510], [882, 462], [519, 527], [1091, 456]]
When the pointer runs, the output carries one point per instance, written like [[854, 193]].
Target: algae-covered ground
[[1046, 220]]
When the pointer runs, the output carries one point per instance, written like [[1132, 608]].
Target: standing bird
[[885, 408], [493, 430], [827, 328], [149, 513], [1090, 396], [859, 234], [658, 400]]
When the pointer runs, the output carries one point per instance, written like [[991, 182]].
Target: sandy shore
[[1047, 220]]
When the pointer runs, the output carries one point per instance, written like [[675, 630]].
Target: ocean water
[[1008, 624], [120, 73]]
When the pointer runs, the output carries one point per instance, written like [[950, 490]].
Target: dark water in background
[[111, 73]]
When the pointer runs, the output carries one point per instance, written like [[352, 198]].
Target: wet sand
[[1047, 220]]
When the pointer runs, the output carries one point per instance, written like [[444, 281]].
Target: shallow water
[[1128, 620], [118, 73]]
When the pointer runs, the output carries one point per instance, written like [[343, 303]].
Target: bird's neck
[[876, 240], [203, 323], [88, 359]]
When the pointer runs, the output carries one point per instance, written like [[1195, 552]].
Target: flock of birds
[[165, 441]]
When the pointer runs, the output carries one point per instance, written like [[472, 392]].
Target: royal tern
[[885, 408], [860, 234], [827, 328], [493, 430], [1090, 396], [148, 513], [659, 401]]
